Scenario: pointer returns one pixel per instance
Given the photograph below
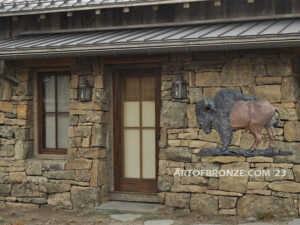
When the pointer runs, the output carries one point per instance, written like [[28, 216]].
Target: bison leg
[[226, 136], [270, 131], [258, 138]]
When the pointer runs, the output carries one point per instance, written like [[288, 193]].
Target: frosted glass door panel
[[148, 114], [131, 114], [132, 89], [62, 123], [132, 153], [63, 93], [149, 154], [138, 127], [148, 88], [50, 138], [49, 93]]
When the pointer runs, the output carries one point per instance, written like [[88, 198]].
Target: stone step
[[133, 197], [130, 207]]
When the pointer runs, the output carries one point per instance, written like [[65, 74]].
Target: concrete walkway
[[151, 214]]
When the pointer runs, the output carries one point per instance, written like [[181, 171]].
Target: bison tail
[[278, 120]]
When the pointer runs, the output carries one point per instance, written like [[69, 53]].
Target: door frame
[[131, 185]]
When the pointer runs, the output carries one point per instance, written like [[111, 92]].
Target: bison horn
[[206, 101], [208, 104]]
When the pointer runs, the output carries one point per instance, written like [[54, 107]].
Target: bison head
[[205, 113]]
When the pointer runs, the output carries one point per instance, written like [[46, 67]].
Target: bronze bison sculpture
[[231, 110]]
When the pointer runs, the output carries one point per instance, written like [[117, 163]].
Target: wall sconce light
[[180, 88], [85, 91]]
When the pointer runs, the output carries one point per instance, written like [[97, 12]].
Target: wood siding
[[198, 11]]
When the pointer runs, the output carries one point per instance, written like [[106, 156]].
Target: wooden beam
[[133, 59], [59, 62]]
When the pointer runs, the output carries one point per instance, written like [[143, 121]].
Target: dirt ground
[[52, 216]]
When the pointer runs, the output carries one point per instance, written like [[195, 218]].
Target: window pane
[[149, 154], [131, 114], [50, 132], [63, 83], [132, 89], [49, 93], [148, 112], [148, 88], [62, 123], [132, 153]]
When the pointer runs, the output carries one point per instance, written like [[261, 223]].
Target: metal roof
[[24, 7], [221, 36]]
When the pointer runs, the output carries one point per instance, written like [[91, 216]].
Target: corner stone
[[84, 197]]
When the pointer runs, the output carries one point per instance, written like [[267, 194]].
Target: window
[[53, 112]]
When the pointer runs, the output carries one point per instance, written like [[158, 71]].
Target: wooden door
[[136, 129]]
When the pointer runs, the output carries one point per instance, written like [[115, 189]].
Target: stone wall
[[79, 180], [82, 179], [270, 75]]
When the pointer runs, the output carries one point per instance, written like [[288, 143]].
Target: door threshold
[[132, 207], [134, 197]]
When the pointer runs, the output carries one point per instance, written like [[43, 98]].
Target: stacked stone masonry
[[82, 179], [270, 75], [79, 180]]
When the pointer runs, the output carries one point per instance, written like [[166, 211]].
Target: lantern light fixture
[[85, 91], [179, 88]]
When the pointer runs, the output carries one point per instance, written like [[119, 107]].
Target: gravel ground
[[52, 216]]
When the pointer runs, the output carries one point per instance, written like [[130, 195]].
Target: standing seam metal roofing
[[286, 30]]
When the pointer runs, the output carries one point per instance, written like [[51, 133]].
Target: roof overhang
[[213, 37], [160, 47]]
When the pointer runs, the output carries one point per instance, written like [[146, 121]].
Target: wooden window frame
[[41, 113]]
